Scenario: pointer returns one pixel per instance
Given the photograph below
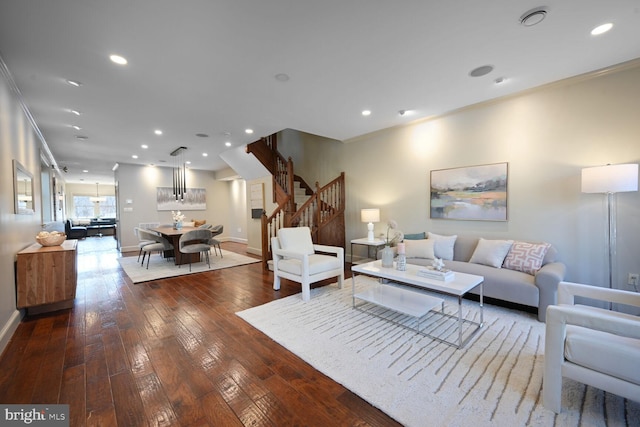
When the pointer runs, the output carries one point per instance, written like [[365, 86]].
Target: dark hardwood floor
[[170, 352]]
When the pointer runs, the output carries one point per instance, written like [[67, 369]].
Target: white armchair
[[295, 258], [591, 345]]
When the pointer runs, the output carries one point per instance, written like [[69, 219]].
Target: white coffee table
[[403, 295]]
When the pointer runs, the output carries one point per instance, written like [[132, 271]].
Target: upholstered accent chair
[[296, 258], [196, 241], [594, 346], [159, 244], [215, 243], [141, 242]]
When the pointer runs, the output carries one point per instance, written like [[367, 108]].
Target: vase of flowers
[[178, 217], [393, 236]]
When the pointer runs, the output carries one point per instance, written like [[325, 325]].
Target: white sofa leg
[[276, 282], [340, 280]]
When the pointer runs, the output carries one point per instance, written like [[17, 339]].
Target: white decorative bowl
[[52, 239]]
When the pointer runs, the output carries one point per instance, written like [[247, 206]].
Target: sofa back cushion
[[443, 245], [419, 248], [491, 252]]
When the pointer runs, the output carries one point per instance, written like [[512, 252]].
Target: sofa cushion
[[443, 245], [415, 236], [491, 252], [419, 248], [297, 239], [317, 264], [500, 283], [526, 257], [596, 350]]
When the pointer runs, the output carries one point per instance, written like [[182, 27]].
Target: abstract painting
[[195, 199], [470, 193]]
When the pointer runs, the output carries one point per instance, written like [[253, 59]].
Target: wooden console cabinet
[[47, 276]]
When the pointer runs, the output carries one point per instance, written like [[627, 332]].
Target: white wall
[[138, 184], [17, 141], [547, 136]]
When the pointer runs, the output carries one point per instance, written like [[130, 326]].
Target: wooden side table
[[47, 277], [375, 244]]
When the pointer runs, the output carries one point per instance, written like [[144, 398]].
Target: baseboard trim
[[8, 329]]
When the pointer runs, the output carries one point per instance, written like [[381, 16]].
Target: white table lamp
[[610, 179], [370, 216]]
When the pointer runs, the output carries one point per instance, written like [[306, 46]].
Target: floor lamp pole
[[611, 235]]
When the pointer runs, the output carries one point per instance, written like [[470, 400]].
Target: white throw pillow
[[422, 248], [491, 252], [443, 245]]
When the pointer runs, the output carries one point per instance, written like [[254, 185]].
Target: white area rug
[[160, 268], [496, 380]]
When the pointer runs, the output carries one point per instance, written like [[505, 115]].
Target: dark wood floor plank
[[171, 352], [73, 393]]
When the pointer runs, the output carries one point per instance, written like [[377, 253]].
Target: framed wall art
[[195, 199], [470, 193]]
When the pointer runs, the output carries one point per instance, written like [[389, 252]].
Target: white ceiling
[[209, 66]]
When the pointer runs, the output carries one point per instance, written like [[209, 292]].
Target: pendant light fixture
[[97, 198], [179, 173]]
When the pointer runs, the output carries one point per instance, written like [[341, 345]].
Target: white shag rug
[[495, 380], [160, 267]]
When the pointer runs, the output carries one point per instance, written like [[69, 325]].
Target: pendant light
[[97, 198], [179, 173]]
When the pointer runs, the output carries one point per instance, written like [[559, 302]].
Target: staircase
[[321, 209]]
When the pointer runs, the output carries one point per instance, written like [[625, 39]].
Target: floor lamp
[[610, 179]]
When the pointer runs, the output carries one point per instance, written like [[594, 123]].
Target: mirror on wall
[[22, 190]]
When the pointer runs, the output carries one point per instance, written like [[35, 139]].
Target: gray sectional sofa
[[535, 290]]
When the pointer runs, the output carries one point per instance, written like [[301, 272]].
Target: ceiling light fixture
[[117, 59], [179, 173], [248, 131], [97, 198], [85, 171], [282, 77], [601, 29], [74, 83], [82, 137], [483, 70], [533, 17], [76, 112], [366, 113], [134, 156], [115, 167], [157, 132], [76, 127], [204, 154], [228, 144], [145, 146]]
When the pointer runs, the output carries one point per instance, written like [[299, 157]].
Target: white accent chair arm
[[330, 249]]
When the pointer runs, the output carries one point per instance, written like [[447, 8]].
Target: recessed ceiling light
[[366, 112], [74, 83], [145, 146], [118, 59], [282, 77], [204, 154], [157, 132], [228, 144], [76, 127], [202, 135], [601, 29], [481, 71], [85, 171], [82, 137], [248, 131], [188, 162], [533, 17], [135, 156], [76, 112]]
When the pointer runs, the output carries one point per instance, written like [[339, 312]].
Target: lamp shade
[[370, 215], [610, 179]]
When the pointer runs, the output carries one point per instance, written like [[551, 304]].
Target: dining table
[[173, 236]]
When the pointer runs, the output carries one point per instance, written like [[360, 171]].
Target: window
[[85, 208]]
